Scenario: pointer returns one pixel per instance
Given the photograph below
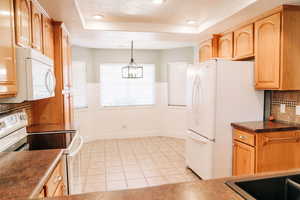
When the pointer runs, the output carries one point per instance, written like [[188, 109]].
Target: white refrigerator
[[219, 92]]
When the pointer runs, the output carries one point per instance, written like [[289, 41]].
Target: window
[[79, 84], [177, 84], [116, 91]]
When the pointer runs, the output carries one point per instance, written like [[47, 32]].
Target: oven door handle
[[74, 153]]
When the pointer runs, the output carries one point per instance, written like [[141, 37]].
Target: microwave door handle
[[50, 78]]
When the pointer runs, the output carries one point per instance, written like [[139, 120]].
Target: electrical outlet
[[282, 108], [297, 110]]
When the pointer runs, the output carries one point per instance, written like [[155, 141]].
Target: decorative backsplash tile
[[291, 99]]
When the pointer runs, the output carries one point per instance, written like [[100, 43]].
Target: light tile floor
[[118, 164]]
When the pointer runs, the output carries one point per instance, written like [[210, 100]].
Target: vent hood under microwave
[[35, 76]]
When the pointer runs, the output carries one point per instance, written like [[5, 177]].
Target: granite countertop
[[23, 174], [199, 190], [51, 128], [265, 126]]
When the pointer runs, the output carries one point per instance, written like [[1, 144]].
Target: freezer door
[[199, 155], [201, 95]]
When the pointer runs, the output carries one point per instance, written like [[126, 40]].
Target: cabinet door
[[243, 42], [7, 50], [278, 151], [243, 159], [226, 46], [37, 27], [66, 77], [267, 52], [48, 40], [60, 190], [23, 22], [205, 51]]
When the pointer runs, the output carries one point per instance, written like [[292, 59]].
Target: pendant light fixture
[[132, 70]]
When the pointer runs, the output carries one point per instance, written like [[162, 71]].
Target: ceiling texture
[[152, 26]]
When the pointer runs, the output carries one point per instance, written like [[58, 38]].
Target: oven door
[[40, 80], [73, 160]]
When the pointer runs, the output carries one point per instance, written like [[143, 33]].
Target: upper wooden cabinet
[[225, 47], [208, 49], [205, 51], [277, 50], [243, 42], [23, 22], [7, 50], [37, 27], [48, 35], [267, 49]]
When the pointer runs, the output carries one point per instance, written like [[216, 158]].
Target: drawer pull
[[276, 140], [242, 137], [57, 179]]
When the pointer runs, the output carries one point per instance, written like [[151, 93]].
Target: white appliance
[[219, 92], [73, 161], [35, 75]]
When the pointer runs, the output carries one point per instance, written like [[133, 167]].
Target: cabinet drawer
[[244, 137], [55, 179]]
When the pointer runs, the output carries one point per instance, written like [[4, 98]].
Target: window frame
[[127, 107]]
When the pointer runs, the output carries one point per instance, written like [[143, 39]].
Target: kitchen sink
[[281, 187]]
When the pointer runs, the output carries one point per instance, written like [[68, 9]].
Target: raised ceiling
[[151, 26]]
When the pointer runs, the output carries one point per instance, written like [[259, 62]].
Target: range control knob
[[23, 116], [2, 125]]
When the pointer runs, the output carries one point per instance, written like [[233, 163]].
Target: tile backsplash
[[291, 99]]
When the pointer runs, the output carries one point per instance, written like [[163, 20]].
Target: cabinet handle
[[276, 140], [57, 179], [242, 137]]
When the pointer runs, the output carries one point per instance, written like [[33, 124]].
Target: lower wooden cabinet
[[55, 185], [271, 151], [243, 159]]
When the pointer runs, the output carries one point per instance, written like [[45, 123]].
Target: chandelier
[[132, 70]]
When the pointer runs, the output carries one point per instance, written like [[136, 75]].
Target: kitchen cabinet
[[58, 109], [265, 152], [225, 47], [243, 42], [55, 185], [205, 51], [36, 28], [48, 42], [208, 49], [267, 48], [23, 22], [277, 50], [243, 159], [8, 80]]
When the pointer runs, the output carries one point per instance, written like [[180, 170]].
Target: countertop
[[199, 190], [51, 128], [23, 174], [265, 126]]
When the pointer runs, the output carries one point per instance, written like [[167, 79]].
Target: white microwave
[[35, 76]]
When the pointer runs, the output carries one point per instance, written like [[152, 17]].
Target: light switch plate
[[297, 110], [282, 108]]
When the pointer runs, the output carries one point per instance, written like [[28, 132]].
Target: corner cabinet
[[243, 42], [225, 47], [205, 51], [208, 49], [265, 152], [7, 50], [277, 50], [37, 28], [23, 22]]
